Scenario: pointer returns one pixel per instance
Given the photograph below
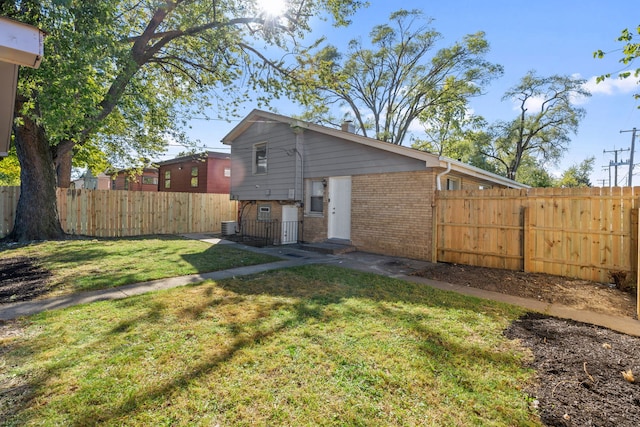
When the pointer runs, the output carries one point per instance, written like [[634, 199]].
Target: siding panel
[[292, 153]]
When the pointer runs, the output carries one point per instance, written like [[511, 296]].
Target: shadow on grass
[[80, 265], [309, 291]]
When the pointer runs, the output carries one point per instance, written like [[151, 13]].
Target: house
[[135, 180], [208, 172], [91, 182], [341, 187]]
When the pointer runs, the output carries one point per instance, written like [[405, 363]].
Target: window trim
[[457, 183], [194, 176], [264, 212], [309, 195], [149, 180], [257, 148]]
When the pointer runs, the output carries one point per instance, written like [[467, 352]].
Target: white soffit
[[20, 43], [8, 81]]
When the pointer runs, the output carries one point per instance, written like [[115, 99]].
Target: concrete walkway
[[400, 268]]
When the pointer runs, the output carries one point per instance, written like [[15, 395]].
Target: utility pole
[[615, 163], [602, 182], [609, 169], [633, 147]]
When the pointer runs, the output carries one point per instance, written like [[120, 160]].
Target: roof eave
[[481, 173]]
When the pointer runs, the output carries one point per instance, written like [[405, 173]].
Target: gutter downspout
[[440, 175]]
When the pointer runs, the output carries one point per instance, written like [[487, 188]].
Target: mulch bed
[[21, 279], [579, 380]]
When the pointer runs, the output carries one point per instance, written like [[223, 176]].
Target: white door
[[289, 224], [340, 208]]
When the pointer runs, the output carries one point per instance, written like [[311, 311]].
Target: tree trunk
[[63, 169], [37, 213]]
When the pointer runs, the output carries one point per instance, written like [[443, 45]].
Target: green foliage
[[120, 78], [533, 173], [10, 169], [397, 78], [630, 52], [577, 175], [449, 130], [547, 116]]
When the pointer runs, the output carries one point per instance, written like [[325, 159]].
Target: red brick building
[[131, 180], [208, 172]]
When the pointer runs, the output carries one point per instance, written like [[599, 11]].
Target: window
[[453, 183], [260, 159], [315, 197], [126, 182], [150, 180], [194, 176], [167, 179], [227, 172], [264, 212]]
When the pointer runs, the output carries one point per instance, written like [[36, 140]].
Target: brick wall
[[126, 180], [315, 227], [209, 176], [392, 213]]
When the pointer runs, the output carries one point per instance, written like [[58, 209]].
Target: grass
[[309, 346], [90, 264]]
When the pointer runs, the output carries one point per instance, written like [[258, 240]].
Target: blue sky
[[551, 37]]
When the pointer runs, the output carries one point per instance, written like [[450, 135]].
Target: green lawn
[[89, 264], [309, 346]]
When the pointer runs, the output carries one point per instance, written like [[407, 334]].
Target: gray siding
[[281, 163], [327, 156], [291, 154]]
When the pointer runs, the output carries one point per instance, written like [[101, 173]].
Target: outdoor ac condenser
[[228, 228]]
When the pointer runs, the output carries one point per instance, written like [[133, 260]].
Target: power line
[[633, 147], [615, 164]]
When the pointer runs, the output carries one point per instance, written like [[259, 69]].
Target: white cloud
[[609, 87], [612, 86]]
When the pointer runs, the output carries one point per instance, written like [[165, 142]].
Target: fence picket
[[108, 213], [574, 232]]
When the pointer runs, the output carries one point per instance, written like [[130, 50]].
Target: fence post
[[638, 270], [527, 246]]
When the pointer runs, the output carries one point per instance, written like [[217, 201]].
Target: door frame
[[339, 208], [289, 225]]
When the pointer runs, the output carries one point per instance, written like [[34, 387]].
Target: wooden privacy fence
[[587, 233], [108, 213]]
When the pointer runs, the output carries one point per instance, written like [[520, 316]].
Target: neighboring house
[[90, 182], [208, 172], [100, 182], [134, 180], [342, 187]]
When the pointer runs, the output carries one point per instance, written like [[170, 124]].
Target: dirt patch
[[578, 294], [21, 279], [579, 380]]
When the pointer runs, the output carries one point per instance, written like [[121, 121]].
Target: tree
[[630, 51], [547, 116], [577, 175], [533, 173], [119, 77], [447, 129], [10, 170], [388, 86]]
